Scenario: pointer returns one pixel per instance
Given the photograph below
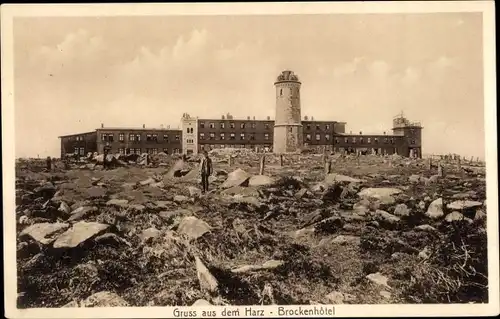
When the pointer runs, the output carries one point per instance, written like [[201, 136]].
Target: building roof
[[137, 129], [76, 134]]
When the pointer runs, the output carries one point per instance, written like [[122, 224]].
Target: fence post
[[262, 164]]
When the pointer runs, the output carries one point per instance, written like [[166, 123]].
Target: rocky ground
[[374, 230]]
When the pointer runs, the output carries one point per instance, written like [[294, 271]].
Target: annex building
[[289, 132]]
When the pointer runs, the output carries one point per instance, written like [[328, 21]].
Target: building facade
[[123, 141], [287, 133]]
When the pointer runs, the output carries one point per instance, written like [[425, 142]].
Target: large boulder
[[193, 227], [461, 205], [236, 178], [44, 233], [261, 180], [435, 209], [382, 194], [79, 233]]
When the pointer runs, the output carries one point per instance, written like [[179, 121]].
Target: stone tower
[[288, 136]]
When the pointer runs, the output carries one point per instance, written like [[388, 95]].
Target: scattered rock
[[149, 233], [206, 279], [454, 216], [104, 299], [81, 212], [118, 203], [337, 298], [194, 191], [435, 209], [64, 208], [425, 228], [193, 227], [181, 199], [79, 233], [201, 303], [461, 205], [236, 178], [401, 210], [260, 180], [378, 279], [44, 233]]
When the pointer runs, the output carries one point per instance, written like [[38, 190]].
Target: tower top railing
[[287, 75]]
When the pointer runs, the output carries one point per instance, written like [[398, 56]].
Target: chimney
[[350, 132], [312, 118], [143, 125], [360, 133], [268, 118], [248, 117], [102, 125], [306, 118], [254, 118], [223, 117]]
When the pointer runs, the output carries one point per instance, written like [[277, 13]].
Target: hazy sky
[[72, 74]]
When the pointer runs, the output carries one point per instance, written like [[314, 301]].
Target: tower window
[[281, 92], [308, 137], [290, 130], [318, 137], [266, 136]]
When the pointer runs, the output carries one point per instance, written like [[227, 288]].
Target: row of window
[[232, 136], [147, 150], [252, 125], [232, 125], [361, 140], [109, 137], [80, 151], [318, 137]]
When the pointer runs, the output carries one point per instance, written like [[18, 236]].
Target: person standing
[[49, 163], [205, 170]]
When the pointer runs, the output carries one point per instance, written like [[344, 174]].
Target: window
[[317, 127], [202, 125], [346, 140], [148, 137], [392, 140], [121, 137], [155, 137], [253, 125], [221, 125], [121, 150], [368, 140], [231, 125], [327, 137], [354, 140], [137, 150], [252, 137], [212, 125], [231, 136], [327, 127], [212, 136], [337, 141], [308, 126], [308, 137], [412, 141], [361, 140], [188, 130], [177, 137], [155, 151], [75, 151], [222, 136], [82, 151], [242, 136], [190, 141], [165, 137], [242, 125], [290, 130], [385, 140], [104, 137], [138, 138], [318, 137], [110, 137], [266, 136], [266, 126], [165, 150], [375, 139], [177, 151], [202, 136]]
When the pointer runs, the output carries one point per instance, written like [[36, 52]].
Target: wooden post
[[441, 171], [281, 159], [328, 167], [262, 164], [429, 164]]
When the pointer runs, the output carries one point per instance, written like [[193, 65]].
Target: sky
[[71, 74]]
